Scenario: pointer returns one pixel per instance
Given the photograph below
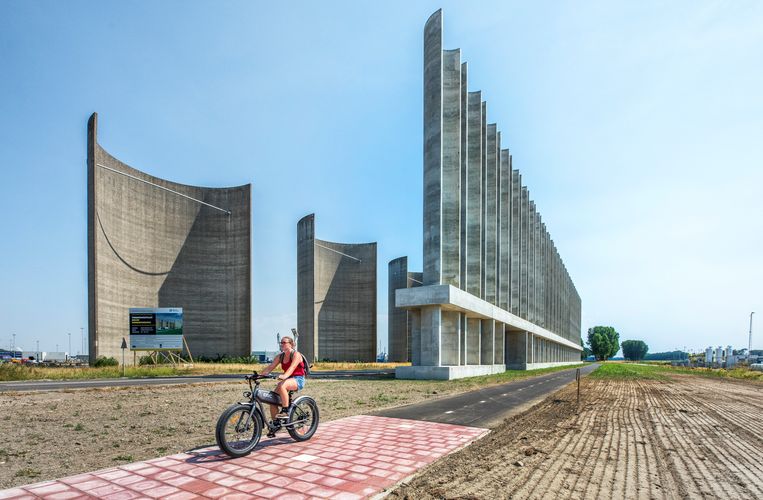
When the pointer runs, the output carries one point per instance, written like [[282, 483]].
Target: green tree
[[586, 351], [634, 350], [604, 342]]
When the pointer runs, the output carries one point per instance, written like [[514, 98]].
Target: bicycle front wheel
[[238, 430], [303, 419]]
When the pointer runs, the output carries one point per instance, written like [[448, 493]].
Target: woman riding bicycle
[[292, 378]]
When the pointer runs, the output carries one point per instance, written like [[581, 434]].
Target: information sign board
[[153, 329]]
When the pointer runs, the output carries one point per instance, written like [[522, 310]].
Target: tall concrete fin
[[504, 240], [516, 191], [308, 340], [450, 190], [474, 194], [433, 108], [491, 213]]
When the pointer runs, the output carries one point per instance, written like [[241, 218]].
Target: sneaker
[[283, 414], [275, 428]]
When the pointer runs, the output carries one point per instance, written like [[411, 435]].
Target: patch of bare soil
[[48, 435], [690, 437]]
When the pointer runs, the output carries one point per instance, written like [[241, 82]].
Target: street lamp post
[[68, 354], [38, 351], [749, 342], [82, 338]]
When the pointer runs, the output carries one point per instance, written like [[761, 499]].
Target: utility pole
[[749, 342], [68, 354], [38, 351], [13, 347], [82, 338]]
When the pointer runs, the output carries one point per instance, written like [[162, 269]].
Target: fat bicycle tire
[[237, 415], [303, 411]]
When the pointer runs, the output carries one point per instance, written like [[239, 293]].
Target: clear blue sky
[[638, 127]]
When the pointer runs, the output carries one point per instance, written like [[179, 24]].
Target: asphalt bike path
[[52, 385], [489, 406]]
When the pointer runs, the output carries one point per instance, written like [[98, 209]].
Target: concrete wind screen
[[336, 297], [495, 292], [399, 321], [156, 243]]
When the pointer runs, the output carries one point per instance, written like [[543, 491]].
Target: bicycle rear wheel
[[238, 430], [303, 418]]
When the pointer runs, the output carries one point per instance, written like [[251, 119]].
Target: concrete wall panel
[[149, 247]]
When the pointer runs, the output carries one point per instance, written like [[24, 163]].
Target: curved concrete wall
[[399, 319], [336, 297], [148, 247]]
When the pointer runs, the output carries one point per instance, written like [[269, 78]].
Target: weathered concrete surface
[[148, 247], [336, 297], [482, 232], [446, 372], [399, 320]]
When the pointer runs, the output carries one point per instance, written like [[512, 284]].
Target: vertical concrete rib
[[398, 342], [433, 109], [491, 212], [524, 214], [516, 181], [504, 240], [531, 264], [474, 195], [464, 180], [483, 163], [450, 190]]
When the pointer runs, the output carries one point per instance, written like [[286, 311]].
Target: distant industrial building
[[336, 297], [157, 243]]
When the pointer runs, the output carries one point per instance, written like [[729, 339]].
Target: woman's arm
[[296, 359], [272, 365]]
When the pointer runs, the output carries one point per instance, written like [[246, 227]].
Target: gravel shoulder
[[688, 437]]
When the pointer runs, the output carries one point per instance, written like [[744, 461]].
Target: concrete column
[[487, 341], [504, 224], [473, 337], [491, 214], [516, 191], [462, 339], [449, 338], [415, 318], [474, 195], [431, 328], [500, 346]]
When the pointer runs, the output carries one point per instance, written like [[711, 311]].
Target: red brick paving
[[347, 459]]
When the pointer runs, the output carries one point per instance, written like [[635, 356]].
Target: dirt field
[[687, 437]]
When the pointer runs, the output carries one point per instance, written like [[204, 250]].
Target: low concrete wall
[[446, 372]]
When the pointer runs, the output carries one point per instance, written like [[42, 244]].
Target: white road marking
[[449, 411]]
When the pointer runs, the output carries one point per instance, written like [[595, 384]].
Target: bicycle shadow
[[212, 454]]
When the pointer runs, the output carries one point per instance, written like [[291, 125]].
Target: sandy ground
[[691, 437], [47, 435]]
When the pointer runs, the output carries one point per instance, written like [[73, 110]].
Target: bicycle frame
[[258, 405]]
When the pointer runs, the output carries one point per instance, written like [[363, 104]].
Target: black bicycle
[[239, 428]]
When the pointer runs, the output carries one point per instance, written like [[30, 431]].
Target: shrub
[[104, 361]]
